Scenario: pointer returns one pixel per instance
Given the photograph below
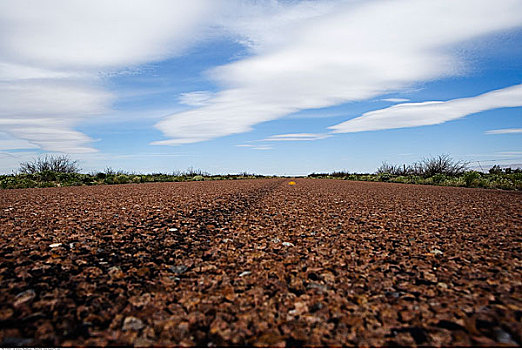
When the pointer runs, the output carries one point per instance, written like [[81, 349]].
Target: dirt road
[[262, 263]]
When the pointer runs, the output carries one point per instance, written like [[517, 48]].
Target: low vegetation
[[58, 171], [440, 170]]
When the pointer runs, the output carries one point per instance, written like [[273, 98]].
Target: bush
[[471, 178], [50, 163], [121, 179], [428, 167], [398, 170], [442, 164], [439, 178]]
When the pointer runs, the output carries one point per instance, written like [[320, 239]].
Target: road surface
[[260, 263]]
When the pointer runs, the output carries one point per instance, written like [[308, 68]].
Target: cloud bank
[[54, 56], [344, 52], [431, 112]]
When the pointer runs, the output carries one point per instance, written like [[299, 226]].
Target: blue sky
[[271, 87]]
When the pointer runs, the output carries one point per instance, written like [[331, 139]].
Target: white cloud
[[395, 99], [431, 112], [55, 55], [8, 142], [297, 137], [503, 131], [93, 35], [510, 153], [348, 52], [195, 98], [258, 147]]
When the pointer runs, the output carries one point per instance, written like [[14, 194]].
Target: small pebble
[[24, 297], [132, 323], [442, 285], [178, 269], [504, 337]]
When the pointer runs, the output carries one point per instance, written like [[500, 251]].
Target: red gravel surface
[[260, 263]]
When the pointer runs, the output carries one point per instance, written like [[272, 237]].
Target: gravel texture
[[260, 263]]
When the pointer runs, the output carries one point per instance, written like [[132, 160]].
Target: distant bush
[[399, 170], [442, 164], [471, 178], [441, 171], [50, 164], [337, 174], [191, 172], [49, 178], [427, 167]]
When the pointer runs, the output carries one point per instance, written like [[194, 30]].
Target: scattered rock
[[24, 297], [55, 245], [314, 285], [299, 309], [179, 269], [129, 281], [288, 244], [504, 337], [132, 323], [442, 285], [14, 342], [116, 273], [6, 313]]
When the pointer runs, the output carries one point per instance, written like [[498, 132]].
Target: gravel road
[[260, 263]]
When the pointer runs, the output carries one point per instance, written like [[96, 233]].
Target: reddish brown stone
[[260, 263]]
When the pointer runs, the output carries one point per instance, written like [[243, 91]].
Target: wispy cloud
[[296, 137], [431, 112], [347, 51], [7, 142], [395, 99], [196, 98], [301, 55], [258, 147], [510, 153], [54, 58], [503, 131]]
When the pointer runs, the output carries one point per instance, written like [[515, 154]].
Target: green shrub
[[471, 178], [439, 178], [121, 179]]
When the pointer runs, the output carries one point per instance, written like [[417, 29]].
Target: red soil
[[262, 263]]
